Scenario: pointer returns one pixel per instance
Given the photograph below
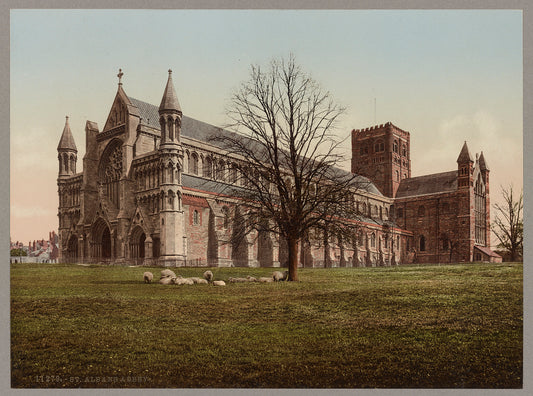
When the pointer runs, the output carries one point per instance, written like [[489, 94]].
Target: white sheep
[[184, 281], [279, 276], [148, 277], [251, 278], [208, 275], [264, 279], [219, 283], [237, 280], [196, 279], [179, 281], [167, 273], [202, 281], [167, 280]]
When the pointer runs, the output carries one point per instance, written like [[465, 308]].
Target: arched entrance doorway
[[72, 248], [100, 241], [106, 243], [137, 239]]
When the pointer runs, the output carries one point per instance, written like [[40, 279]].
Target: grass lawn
[[449, 326]]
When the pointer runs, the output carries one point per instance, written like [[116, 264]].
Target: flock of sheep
[[168, 277]]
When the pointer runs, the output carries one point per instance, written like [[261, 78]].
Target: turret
[[170, 115], [484, 168], [67, 152], [171, 215], [465, 166]]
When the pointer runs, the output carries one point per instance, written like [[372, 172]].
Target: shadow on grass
[[120, 282]]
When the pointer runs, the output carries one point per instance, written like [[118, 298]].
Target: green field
[[452, 326]]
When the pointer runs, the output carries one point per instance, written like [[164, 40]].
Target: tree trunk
[[293, 258]]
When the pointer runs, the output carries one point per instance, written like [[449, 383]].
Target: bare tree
[[287, 155], [508, 224]]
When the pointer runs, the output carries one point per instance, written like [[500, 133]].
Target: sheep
[[183, 281], [167, 273], [219, 283], [148, 277], [251, 278], [208, 275], [179, 281], [202, 282], [279, 276], [237, 280], [167, 280], [264, 279], [196, 279]]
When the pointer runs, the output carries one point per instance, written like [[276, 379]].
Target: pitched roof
[[204, 132], [482, 162], [487, 251], [464, 156], [170, 99], [67, 140], [428, 184], [189, 126]]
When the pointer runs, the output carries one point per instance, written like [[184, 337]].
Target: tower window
[[395, 146], [196, 218], [422, 243]]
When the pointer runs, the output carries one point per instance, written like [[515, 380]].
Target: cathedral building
[[152, 192]]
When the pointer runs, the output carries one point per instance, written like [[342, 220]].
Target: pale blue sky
[[445, 76]]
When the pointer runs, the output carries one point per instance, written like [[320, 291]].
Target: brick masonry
[[149, 193]]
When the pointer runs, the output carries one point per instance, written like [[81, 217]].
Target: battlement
[[379, 127]]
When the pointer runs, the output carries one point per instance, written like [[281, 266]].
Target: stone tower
[[465, 196], [171, 218], [67, 153], [484, 170], [382, 153], [68, 188]]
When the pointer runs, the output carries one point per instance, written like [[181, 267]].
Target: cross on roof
[[119, 75]]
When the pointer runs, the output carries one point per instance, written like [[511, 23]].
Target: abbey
[[152, 193]]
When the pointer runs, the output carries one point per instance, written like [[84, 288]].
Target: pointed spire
[[482, 162], [464, 156], [170, 99], [67, 140]]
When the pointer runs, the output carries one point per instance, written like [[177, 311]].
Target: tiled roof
[[189, 126], [428, 184], [204, 132]]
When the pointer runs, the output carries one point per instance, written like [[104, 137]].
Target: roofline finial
[[119, 75]]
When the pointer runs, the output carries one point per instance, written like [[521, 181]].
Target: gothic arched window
[[221, 171], [110, 171], [422, 243], [193, 164], [208, 168]]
